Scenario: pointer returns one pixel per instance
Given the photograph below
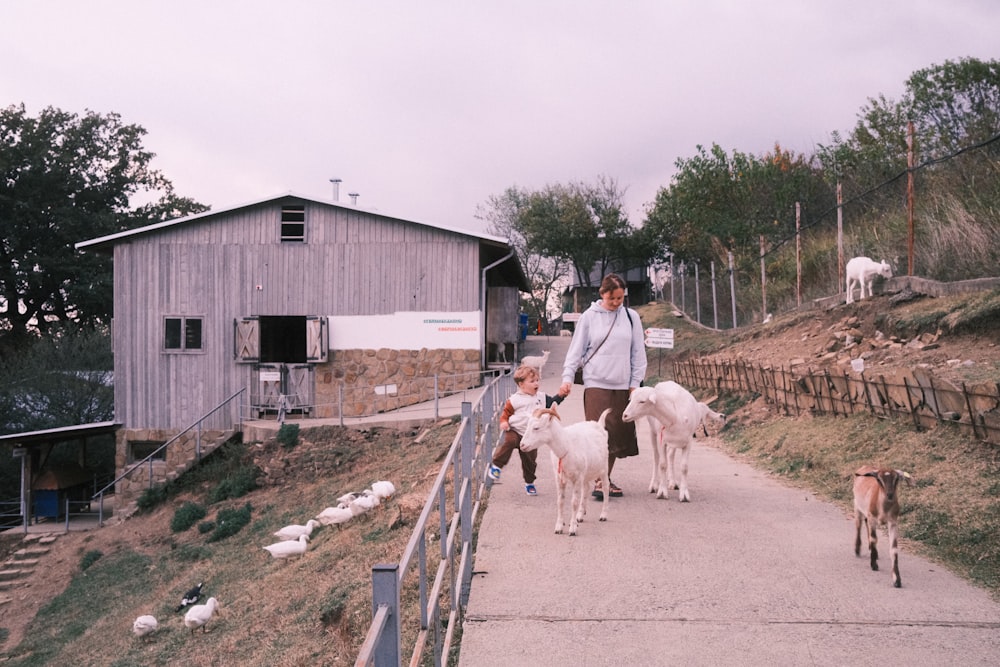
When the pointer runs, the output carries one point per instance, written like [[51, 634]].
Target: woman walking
[[608, 344]]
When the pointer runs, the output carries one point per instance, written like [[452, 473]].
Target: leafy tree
[[719, 202], [65, 178], [545, 274], [585, 226], [60, 380]]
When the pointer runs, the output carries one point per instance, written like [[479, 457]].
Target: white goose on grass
[[334, 515], [145, 625], [364, 503], [293, 531], [383, 489], [347, 498], [199, 615], [288, 548]]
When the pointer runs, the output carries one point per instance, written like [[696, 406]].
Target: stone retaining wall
[[363, 380]]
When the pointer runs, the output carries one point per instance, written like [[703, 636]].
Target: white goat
[[862, 271], [673, 415], [537, 362], [876, 501], [579, 455]]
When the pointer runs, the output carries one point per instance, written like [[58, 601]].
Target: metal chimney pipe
[[336, 188], [354, 198]]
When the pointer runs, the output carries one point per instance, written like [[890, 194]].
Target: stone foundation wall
[[179, 456], [353, 377]]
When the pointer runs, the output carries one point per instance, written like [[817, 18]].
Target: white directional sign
[[660, 338]]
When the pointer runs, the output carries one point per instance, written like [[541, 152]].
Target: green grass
[[90, 596]]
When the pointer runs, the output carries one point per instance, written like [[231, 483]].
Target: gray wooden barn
[[308, 305]]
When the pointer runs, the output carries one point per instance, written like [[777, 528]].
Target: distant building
[[576, 298]]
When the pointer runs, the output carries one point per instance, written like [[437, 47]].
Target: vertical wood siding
[[353, 263]]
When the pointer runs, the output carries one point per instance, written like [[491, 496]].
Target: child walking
[[514, 419]]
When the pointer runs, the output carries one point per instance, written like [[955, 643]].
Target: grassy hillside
[[313, 610]]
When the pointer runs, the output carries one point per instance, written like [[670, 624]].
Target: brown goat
[[876, 501]]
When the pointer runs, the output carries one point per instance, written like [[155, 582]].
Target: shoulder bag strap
[[603, 340]]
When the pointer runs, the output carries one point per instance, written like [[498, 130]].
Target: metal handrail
[[149, 458], [297, 402], [466, 462]]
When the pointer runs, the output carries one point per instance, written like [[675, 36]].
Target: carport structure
[[33, 448]]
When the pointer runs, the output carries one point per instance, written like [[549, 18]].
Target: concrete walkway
[[750, 572]]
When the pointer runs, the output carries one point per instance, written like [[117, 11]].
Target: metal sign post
[[661, 339]]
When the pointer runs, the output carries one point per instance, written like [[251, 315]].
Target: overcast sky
[[427, 108]]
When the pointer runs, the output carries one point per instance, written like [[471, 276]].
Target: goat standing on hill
[[674, 415], [876, 501], [862, 271], [579, 455]]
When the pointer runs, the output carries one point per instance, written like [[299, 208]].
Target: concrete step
[[29, 553], [13, 574]]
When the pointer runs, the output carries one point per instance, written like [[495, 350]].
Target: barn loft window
[[293, 223], [281, 339], [182, 334]]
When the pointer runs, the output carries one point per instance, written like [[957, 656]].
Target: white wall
[[406, 331]]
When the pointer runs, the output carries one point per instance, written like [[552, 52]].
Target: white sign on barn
[[406, 331]]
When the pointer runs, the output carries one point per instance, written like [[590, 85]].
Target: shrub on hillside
[[186, 516], [90, 558], [230, 521], [236, 485], [152, 497], [288, 435]]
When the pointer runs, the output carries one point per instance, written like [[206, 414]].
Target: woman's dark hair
[[611, 282]]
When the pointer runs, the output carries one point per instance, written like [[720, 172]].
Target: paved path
[[750, 572]]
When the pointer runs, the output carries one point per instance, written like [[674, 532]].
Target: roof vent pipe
[[354, 198], [336, 188]]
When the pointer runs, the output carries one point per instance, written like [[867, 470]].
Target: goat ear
[[906, 476]]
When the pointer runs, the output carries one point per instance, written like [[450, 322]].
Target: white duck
[[364, 503], [144, 626], [383, 489], [199, 615], [347, 498], [332, 515], [288, 548], [293, 531]]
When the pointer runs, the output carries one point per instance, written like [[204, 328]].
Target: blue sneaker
[[494, 473], [530, 489]]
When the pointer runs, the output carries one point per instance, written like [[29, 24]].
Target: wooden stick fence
[[925, 400]]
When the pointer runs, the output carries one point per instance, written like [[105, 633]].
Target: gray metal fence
[[426, 591]]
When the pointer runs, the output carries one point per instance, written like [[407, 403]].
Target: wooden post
[[909, 197], [732, 286], [840, 238], [798, 254], [763, 282], [972, 416]]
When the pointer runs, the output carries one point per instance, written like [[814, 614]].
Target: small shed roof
[[60, 434]]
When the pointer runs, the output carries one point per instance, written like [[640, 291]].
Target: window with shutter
[[247, 340]]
